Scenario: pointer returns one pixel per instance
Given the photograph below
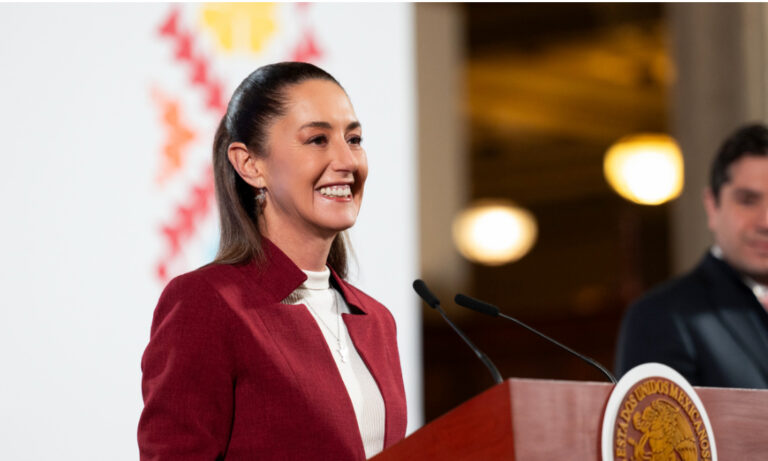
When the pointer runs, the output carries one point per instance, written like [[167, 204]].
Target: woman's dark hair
[[255, 103], [749, 140]]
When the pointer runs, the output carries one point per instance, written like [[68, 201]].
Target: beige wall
[[441, 142]]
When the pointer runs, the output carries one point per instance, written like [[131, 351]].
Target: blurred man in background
[[711, 324]]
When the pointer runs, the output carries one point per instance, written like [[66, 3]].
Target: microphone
[[434, 303], [493, 311]]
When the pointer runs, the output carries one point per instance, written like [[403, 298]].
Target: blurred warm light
[[645, 168], [494, 232]]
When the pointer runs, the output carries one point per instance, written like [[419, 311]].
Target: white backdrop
[[107, 114]]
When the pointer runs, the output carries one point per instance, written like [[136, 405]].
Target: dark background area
[[548, 90]]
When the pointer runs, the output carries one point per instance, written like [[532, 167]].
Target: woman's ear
[[247, 165]]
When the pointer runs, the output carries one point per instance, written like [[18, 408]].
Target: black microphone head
[[476, 305], [425, 294]]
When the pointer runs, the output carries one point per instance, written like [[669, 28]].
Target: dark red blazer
[[232, 373]]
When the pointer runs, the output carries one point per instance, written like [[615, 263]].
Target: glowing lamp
[[645, 168], [494, 232]]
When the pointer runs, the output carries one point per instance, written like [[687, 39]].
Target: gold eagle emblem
[[667, 435]]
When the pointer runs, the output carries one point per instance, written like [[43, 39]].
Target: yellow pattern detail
[[240, 26]]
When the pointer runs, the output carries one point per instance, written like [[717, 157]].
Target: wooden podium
[[531, 420]]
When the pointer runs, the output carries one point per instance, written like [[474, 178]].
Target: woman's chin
[[337, 219], [341, 227], [338, 225]]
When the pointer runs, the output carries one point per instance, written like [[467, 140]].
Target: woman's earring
[[261, 197]]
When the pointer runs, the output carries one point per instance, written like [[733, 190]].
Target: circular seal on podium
[[653, 414]]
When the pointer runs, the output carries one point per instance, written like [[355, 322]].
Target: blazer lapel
[[367, 340], [739, 310], [369, 335], [309, 358], [312, 363]]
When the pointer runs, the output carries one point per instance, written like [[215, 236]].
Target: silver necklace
[[341, 343]]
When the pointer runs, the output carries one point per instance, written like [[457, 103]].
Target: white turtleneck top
[[326, 306]]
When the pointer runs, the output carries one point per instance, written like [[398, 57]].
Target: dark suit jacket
[[707, 325], [232, 373]]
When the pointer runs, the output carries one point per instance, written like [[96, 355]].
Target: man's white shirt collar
[[760, 290]]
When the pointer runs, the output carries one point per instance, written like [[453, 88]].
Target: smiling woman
[[311, 170], [268, 352]]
